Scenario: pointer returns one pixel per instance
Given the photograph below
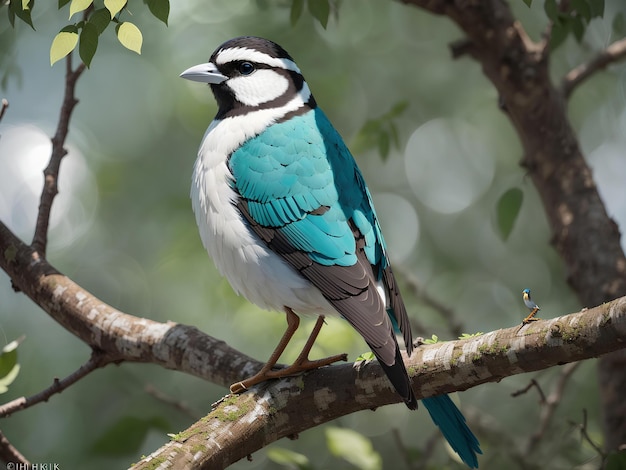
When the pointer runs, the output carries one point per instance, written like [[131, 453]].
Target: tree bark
[[241, 425], [583, 234]]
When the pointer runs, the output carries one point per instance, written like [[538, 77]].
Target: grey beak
[[204, 73]]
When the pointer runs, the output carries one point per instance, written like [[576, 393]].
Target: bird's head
[[250, 73]]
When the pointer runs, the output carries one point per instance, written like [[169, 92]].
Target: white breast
[[252, 269]]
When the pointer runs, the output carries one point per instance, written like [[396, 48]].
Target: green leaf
[[582, 7], [578, 28], [79, 5], [296, 11], [528, 3], [62, 44], [559, 34], [126, 435], [8, 357], [9, 379], [62, 3], [398, 108], [21, 9], [366, 357], [320, 9], [114, 6], [130, 36], [597, 8], [434, 339], [353, 447], [288, 458], [618, 25], [88, 43], [160, 9], [384, 145], [9, 368], [616, 461], [100, 18], [552, 10], [470, 335], [507, 210]]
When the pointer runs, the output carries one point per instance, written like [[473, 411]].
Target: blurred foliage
[[123, 227], [507, 210], [9, 367]]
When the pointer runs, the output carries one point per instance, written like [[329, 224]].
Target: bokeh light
[[447, 165]]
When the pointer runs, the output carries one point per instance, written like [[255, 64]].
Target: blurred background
[[122, 225]]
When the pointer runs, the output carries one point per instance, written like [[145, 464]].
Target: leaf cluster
[[380, 132], [96, 18]]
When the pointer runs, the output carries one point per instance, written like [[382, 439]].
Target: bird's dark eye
[[246, 68]]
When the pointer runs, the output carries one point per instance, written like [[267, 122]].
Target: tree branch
[[9, 454], [436, 369], [277, 409], [96, 361], [549, 406], [586, 238], [51, 173], [575, 77], [3, 108], [121, 336]]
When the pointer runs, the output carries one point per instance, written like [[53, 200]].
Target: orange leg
[[302, 362], [531, 317]]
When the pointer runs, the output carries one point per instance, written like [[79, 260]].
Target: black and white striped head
[[250, 73]]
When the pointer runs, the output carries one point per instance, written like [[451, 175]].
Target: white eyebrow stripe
[[243, 53]]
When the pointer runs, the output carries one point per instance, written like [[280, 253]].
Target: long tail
[[399, 378], [451, 422]]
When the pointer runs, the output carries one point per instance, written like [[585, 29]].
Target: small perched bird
[[530, 303], [285, 213], [532, 306]]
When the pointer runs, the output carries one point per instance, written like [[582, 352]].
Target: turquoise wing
[[303, 194]]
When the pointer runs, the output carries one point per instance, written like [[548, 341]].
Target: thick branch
[[10, 454], [242, 425], [121, 336], [584, 235], [613, 53], [442, 368]]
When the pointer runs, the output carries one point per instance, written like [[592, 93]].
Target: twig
[[616, 51], [415, 287], [550, 405], [162, 397], [9, 454], [427, 453], [533, 383], [404, 452], [51, 173], [585, 435], [3, 109], [98, 359]]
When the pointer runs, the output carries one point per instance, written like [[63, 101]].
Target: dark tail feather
[[399, 378], [451, 422]]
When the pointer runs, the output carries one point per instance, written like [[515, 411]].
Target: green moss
[[154, 463], [572, 333], [494, 349], [232, 408], [198, 448], [455, 358], [10, 254], [183, 435]]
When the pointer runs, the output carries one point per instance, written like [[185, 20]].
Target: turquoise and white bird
[[285, 213], [530, 303]]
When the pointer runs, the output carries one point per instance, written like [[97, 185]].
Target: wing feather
[[314, 210]]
